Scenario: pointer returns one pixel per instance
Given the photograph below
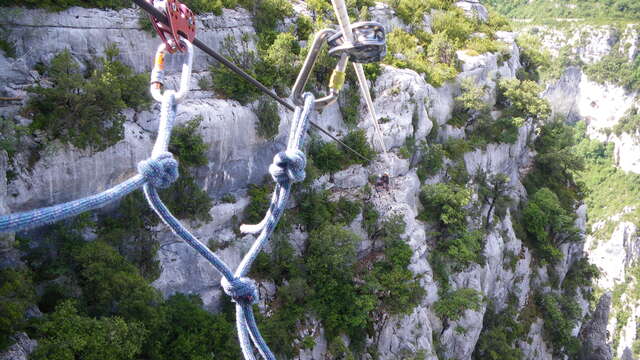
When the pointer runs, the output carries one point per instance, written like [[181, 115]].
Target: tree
[[444, 203], [86, 111], [16, 294], [548, 224], [68, 335], [522, 99], [494, 191], [185, 330]]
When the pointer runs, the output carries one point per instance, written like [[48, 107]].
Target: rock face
[[594, 341], [601, 107], [237, 156], [22, 348]]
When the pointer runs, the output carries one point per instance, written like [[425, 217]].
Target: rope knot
[[288, 165], [161, 171], [241, 290]]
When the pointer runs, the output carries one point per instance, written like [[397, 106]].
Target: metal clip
[[181, 20], [369, 43], [157, 74], [337, 78]]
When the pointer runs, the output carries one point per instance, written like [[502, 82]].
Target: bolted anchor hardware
[[369, 43], [182, 22]]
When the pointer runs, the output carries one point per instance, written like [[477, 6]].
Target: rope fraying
[[241, 289], [288, 165], [160, 171]]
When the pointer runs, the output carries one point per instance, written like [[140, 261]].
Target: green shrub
[[411, 11], [454, 24], [522, 99], [260, 199], [471, 100], [268, 119], [330, 258], [68, 334], [629, 123], [350, 104], [16, 294], [228, 198], [548, 224], [500, 331], [615, 68], [444, 204], [556, 164], [185, 330], [187, 145], [453, 305], [560, 314], [455, 149], [229, 84], [326, 156], [86, 110], [485, 45], [280, 61], [432, 161]]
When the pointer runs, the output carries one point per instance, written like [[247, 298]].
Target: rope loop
[[161, 171], [241, 289], [288, 165]]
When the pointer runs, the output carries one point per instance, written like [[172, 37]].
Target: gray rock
[[594, 333], [474, 9], [22, 348]]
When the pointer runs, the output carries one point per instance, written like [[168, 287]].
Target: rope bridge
[[160, 170]]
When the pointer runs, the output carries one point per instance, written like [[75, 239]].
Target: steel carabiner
[[337, 77], [157, 74]]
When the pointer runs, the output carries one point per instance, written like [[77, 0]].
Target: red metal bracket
[[182, 22]]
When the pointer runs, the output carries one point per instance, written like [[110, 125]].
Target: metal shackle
[[157, 74], [369, 43]]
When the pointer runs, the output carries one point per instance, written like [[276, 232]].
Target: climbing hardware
[[369, 43], [175, 24], [373, 38], [181, 20]]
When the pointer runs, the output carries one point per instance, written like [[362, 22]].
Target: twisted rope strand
[[160, 171]]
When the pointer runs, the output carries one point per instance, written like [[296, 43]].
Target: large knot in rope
[[288, 165], [241, 289], [160, 171]]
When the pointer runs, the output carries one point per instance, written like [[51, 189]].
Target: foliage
[[493, 190], [437, 65], [184, 330], [69, 335], [549, 9], [560, 314], [349, 104], [260, 199], [330, 258], [444, 203], [522, 99], [615, 68], [396, 289], [629, 123], [556, 164], [581, 274], [500, 331], [280, 61], [268, 118], [16, 294], [454, 24], [601, 178], [328, 158], [431, 162], [187, 145], [85, 110], [229, 84], [110, 285], [548, 224], [453, 305]]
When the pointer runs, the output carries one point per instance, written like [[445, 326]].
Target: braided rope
[[160, 171]]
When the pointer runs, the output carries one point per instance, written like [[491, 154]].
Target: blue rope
[[160, 171]]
